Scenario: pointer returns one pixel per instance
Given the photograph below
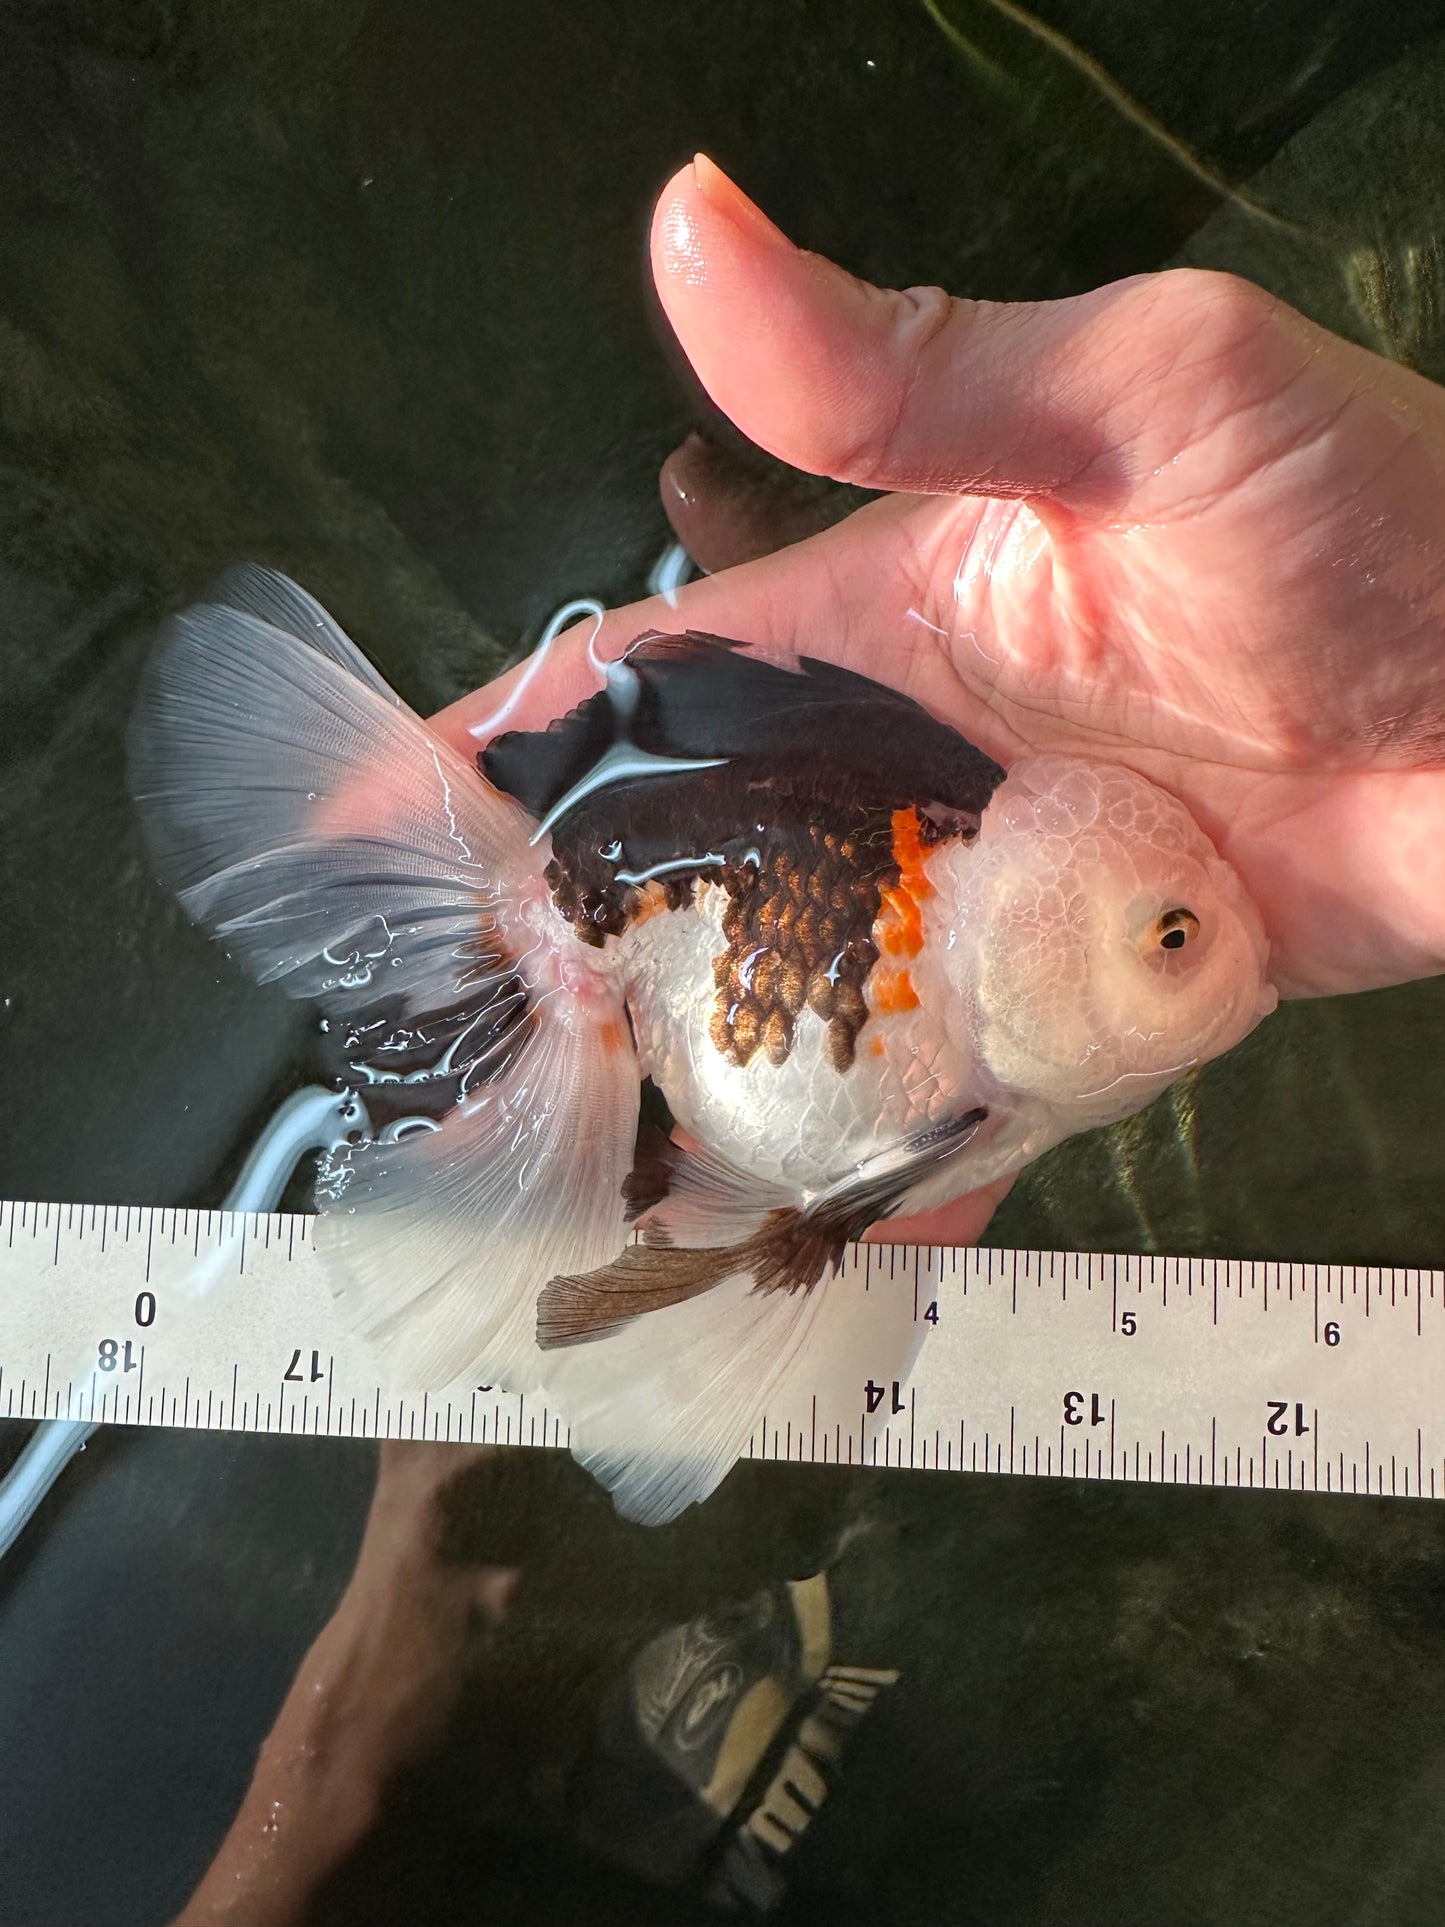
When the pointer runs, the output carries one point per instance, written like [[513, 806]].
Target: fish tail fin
[[327, 838]]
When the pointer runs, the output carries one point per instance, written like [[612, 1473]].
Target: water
[[359, 293]]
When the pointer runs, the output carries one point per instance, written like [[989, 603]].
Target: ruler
[[1154, 1370]]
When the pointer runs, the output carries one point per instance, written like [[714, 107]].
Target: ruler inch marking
[[998, 1351]]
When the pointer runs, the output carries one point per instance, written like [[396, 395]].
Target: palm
[[1300, 716], [1170, 524]]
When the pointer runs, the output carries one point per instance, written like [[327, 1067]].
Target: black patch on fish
[[654, 1162], [790, 1251], [794, 822], [404, 1065], [839, 738]]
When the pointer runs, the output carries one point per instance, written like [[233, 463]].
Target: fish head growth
[[1097, 944]]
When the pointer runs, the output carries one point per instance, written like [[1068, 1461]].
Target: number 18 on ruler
[[1200, 1371]]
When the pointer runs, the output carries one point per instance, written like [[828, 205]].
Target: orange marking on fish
[[899, 929], [910, 853], [893, 991], [652, 901], [877, 1047], [609, 1035]]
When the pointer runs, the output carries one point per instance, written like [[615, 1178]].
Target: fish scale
[[799, 932], [793, 1120]]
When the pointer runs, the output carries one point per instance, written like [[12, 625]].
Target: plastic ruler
[[1162, 1370]]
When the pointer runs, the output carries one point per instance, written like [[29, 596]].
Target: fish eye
[[1175, 928]]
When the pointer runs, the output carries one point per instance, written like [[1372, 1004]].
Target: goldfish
[[863, 966]]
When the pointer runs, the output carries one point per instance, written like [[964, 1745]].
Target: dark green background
[[358, 288]]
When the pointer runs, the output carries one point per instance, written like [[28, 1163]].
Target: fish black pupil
[[1174, 939]]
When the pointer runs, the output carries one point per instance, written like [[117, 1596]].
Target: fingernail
[[725, 196]]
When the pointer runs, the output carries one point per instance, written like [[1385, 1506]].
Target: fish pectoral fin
[[643, 1279], [693, 1345], [878, 1187], [688, 1197]]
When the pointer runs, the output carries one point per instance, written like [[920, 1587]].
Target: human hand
[[375, 1689], [1170, 524]]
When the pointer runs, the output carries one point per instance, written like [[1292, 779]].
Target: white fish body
[[847, 1019]]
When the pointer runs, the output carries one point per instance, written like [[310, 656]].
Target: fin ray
[[692, 1197], [313, 821], [661, 1411], [664, 1406], [440, 1243]]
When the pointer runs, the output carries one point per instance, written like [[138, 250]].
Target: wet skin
[[1170, 524], [372, 1695]]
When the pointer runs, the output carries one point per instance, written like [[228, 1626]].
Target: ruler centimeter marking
[[1152, 1370]]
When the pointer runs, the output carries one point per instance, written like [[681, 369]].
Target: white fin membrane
[[326, 836], [311, 820], [710, 1202], [445, 1238], [662, 1408]]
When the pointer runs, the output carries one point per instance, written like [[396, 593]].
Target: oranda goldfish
[[866, 967]]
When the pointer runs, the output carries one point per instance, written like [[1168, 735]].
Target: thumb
[[928, 393]]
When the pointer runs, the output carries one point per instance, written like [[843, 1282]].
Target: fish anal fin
[[682, 1194]]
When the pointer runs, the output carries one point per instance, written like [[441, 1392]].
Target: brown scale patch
[[597, 911], [799, 936], [804, 922]]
